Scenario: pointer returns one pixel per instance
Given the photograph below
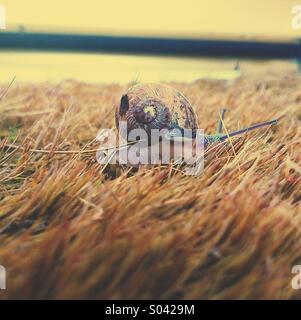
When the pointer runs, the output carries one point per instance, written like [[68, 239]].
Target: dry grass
[[69, 230]]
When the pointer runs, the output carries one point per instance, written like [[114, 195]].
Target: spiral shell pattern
[[155, 106]]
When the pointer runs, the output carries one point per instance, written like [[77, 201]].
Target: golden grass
[[69, 229]]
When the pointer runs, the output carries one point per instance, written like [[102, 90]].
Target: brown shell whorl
[[147, 114], [155, 106]]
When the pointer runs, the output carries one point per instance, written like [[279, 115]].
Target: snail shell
[[155, 106]]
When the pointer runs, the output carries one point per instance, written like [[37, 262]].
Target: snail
[[149, 108], [159, 106]]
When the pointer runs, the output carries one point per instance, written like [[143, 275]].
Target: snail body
[[159, 106]]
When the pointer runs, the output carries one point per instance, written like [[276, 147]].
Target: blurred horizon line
[[137, 45], [19, 27]]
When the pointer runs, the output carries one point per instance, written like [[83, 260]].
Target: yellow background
[[228, 17], [211, 18]]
